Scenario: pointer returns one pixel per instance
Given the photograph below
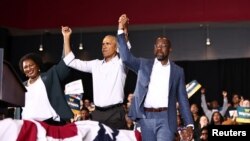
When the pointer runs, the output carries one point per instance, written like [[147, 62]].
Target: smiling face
[[162, 48], [109, 47], [30, 68]]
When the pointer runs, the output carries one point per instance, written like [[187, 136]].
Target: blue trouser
[[155, 127]]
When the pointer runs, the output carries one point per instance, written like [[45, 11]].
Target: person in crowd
[[236, 119], [204, 134], [184, 135], [217, 118], [196, 117], [45, 99], [160, 84], [108, 77], [232, 109], [244, 102], [89, 105], [214, 105], [195, 113], [203, 121], [85, 114]]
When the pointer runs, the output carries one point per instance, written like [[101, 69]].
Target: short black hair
[[204, 128], [166, 38], [32, 56]]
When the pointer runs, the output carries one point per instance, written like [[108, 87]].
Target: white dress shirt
[[158, 89], [108, 78]]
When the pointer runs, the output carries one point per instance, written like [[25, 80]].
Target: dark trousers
[[113, 117]]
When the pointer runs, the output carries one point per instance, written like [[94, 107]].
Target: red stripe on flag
[[60, 132], [28, 131], [138, 135]]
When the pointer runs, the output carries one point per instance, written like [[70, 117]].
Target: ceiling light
[[81, 44], [41, 43], [41, 47], [208, 41]]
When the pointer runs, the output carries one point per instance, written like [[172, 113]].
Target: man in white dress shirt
[[108, 77]]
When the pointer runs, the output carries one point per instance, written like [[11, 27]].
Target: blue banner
[[243, 114]]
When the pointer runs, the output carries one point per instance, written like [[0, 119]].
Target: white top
[[158, 89], [37, 105], [108, 78]]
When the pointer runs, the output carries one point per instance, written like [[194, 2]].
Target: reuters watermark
[[219, 131]]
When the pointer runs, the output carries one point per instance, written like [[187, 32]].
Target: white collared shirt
[[108, 78], [37, 105], [158, 89]]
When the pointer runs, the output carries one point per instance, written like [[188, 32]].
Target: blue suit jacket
[[177, 88]]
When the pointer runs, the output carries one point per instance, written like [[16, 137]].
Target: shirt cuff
[[190, 125], [67, 59], [120, 31]]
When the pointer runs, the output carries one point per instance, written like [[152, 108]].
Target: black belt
[[108, 107], [156, 109]]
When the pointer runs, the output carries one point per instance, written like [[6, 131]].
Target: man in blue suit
[[160, 85]]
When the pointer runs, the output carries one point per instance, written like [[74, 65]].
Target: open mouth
[[30, 73]]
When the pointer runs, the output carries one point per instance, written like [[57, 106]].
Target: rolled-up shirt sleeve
[[68, 58]]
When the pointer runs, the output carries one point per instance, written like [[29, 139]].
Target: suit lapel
[[150, 68], [172, 76], [147, 68]]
